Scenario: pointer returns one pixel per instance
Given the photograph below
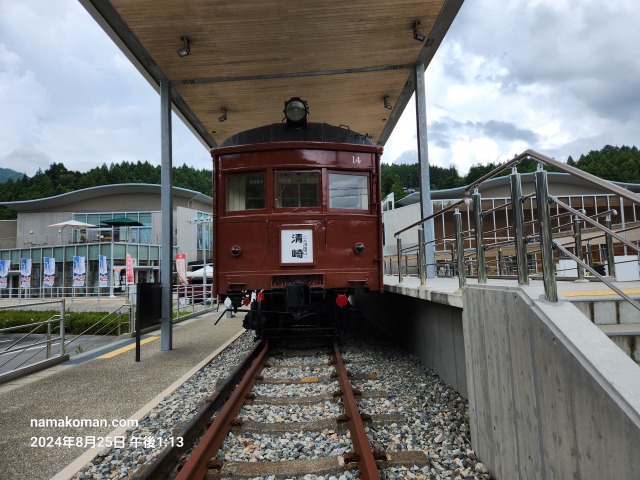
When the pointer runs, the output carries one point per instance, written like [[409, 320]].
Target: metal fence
[[549, 247]]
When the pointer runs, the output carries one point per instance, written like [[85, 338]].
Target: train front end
[[297, 227]]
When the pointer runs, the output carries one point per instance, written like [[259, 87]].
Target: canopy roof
[[72, 224], [247, 58]]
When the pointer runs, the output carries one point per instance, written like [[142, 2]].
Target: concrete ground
[[97, 388]]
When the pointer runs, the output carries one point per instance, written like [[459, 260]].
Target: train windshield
[[245, 192], [297, 189], [348, 191]]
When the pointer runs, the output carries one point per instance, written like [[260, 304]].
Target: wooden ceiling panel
[[249, 56], [246, 109]]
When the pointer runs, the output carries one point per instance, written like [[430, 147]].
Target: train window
[[297, 189], [245, 192], [348, 191]]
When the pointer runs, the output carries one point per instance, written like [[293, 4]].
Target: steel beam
[[166, 206], [423, 159]]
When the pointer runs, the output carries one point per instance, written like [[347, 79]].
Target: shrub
[[74, 322]]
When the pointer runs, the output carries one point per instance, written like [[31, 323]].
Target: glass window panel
[[93, 219], [348, 191], [245, 192], [36, 255], [299, 189]]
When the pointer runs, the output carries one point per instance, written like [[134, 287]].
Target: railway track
[[369, 411], [283, 370]]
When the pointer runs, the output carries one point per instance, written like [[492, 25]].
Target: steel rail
[[362, 449], [552, 162], [196, 466], [167, 459], [611, 285], [595, 224], [589, 230], [433, 215], [506, 204]]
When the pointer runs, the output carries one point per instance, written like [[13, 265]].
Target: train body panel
[[297, 226], [270, 246]]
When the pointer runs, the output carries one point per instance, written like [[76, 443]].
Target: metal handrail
[[117, 326], [20, 327], [552, 162], [587, 177], [596, 224], [433, 215], [520, 240], [595, 273]]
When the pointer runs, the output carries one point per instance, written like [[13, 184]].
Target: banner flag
[[181, 267], [79, 271], [49, 271], [103, 272], [25, 273], [4, 273]]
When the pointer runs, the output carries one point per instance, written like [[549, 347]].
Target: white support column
[[426, 208], [166, 261]]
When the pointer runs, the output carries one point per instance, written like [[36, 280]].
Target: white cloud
[[556, 76], [73, 97], [553, 75]]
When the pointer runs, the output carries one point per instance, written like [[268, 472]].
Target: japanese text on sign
[[296, 246]]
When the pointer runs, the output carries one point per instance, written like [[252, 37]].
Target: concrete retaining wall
[[550, 396], [430, 330]]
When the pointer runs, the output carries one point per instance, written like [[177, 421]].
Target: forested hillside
[[7, 173], [620, 164], [57, 180]]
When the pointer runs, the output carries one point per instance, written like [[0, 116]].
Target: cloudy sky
[[557, 76]]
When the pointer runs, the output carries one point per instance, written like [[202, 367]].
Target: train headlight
[[236, 251], [296, 111], [358, 248]]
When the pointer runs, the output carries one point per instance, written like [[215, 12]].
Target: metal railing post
[[62, 345], [453, 260], [518, 225], [48, 340], [577, 235], [422, 263], [479, 234], [546, 240], [609, 239], [399, 243], [462, 274], [500, 262]]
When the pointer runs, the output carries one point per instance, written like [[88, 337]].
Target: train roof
[[311, 132]]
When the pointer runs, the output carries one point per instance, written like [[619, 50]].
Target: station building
[[45, 228], [496, 192], [32, 236]]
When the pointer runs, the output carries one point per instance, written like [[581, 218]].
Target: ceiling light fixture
[[223, 117], [387, 104], [417, 33], [186, 48]]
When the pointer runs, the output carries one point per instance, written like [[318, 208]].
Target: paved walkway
[[109, 387]]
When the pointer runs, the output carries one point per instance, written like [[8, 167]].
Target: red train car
[[297, 224]]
